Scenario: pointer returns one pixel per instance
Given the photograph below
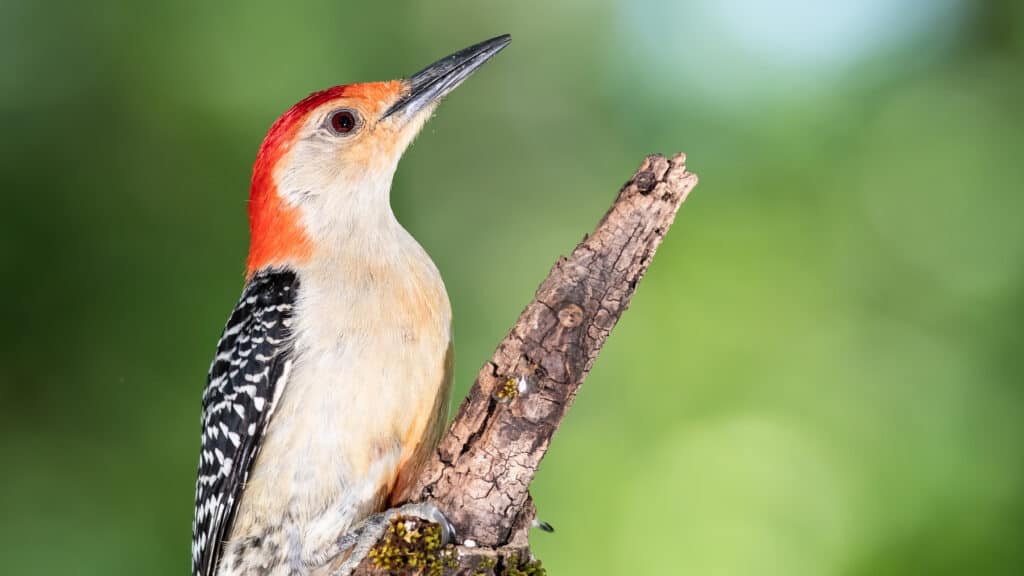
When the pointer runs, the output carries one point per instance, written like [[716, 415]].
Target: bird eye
[[342, 121]]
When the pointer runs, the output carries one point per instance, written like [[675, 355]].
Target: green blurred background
[[820, 374]]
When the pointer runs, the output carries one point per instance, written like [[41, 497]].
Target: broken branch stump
[[480, 474]]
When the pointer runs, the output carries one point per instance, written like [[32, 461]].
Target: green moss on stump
[[413, 546], [508, 390], [513, 567], [509, 566]]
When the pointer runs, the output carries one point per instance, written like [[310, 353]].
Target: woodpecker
[[330, 384]]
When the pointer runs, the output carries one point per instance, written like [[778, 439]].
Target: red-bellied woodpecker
[[331, 381]]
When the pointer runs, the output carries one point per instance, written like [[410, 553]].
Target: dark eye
[[342, 121]]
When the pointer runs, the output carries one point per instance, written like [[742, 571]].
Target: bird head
[[327, 163]]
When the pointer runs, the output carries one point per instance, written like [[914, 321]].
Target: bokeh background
[[820, 375]]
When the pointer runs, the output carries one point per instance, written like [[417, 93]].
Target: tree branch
[[481, 471]]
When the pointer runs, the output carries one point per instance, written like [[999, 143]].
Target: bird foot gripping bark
[[412, 536]]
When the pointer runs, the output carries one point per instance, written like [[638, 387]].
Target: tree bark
[[480, 474]]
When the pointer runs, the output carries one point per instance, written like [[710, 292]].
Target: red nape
[[276, 234]]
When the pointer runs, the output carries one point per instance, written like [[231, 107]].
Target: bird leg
[[364, 536]]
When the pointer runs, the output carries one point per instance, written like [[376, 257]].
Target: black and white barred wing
[[246, 377]]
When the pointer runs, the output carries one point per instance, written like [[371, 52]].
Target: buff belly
[[363, 405]]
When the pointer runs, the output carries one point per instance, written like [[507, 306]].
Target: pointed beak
[[434, 82]]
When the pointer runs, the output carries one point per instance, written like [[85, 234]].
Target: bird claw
[[365, 535], [428, 512], [432, 513]]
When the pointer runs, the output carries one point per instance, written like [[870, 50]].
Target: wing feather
[[246, 377]]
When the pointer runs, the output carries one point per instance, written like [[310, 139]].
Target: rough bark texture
[[481, 472]]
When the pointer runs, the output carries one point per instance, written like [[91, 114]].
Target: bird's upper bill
[[342, 141]]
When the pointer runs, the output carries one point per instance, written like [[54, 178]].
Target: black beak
[[437, 80]]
